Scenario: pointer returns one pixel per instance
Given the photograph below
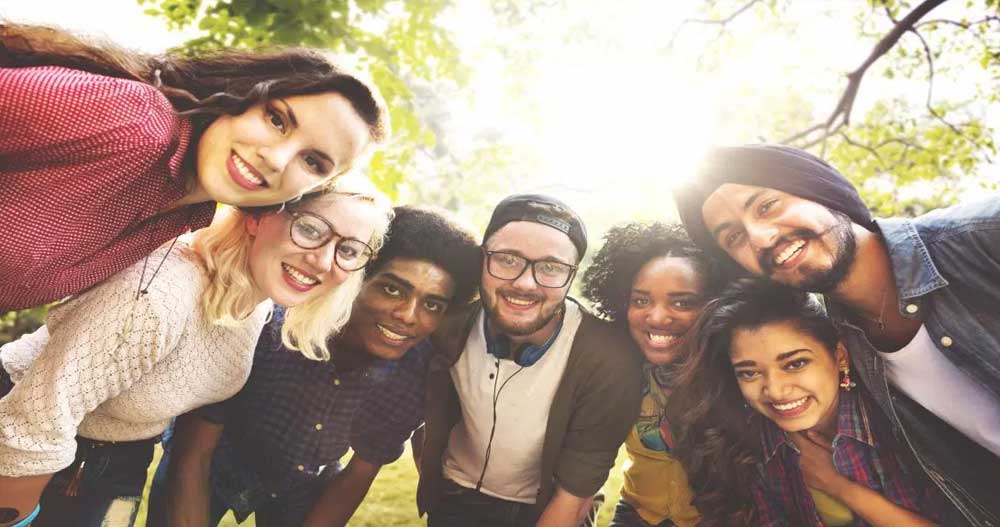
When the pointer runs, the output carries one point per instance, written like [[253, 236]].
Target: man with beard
[[918, 301], [528, 396], [274, 448]]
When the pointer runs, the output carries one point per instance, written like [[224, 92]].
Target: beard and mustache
[[844, 249], [491, 306]]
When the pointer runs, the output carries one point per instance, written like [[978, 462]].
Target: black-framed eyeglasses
[[312, 231], [547, 273]]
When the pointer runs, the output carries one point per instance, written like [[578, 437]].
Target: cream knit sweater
[[109, 367]]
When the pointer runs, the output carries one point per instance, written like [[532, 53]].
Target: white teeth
[[660, 339], [789, 406], [519, 301], [789, 251], [299, 277], [391, 335], [245, 172]]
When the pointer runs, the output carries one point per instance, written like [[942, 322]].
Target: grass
[[391, 502]]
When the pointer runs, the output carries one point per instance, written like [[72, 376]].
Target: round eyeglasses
[[312, 231], [547, 273]]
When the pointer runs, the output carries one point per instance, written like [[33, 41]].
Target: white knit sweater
[[109, 367]]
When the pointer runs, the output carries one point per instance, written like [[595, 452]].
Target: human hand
[[816, 462]]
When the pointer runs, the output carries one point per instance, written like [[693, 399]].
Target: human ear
[[253, 225], [841, 356]]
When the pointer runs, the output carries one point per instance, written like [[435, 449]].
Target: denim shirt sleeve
[[947, 269]]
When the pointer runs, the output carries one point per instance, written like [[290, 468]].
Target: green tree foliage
[[398, 42], [16, 323], [906, 153]]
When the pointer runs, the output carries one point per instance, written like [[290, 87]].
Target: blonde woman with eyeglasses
[[89, 393]]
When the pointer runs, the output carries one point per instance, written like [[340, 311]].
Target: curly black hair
[[607, 283], [428, 235]]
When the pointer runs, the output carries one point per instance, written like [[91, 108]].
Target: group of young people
[[777, 358]]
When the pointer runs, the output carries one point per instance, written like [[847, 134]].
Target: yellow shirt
[[655, 484], [831, 511]]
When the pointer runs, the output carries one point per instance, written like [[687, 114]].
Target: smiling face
[[520, 308], [665, 300], [788, 375], [399, 306], [278, 149], [771, 233], [291, 275]]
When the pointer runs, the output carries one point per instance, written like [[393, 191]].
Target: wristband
[[28, 519]]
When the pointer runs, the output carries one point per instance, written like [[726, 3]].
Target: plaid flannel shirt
[[781, 498], [286, 431]]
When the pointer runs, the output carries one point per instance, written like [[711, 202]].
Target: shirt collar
[[912, 266], [852, 422]]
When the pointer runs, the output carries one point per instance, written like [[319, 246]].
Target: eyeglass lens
[[311, 232], [507, 266]]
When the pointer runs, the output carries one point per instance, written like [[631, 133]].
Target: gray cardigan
[[595, 405]]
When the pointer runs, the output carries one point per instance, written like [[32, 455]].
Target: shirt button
[[319, 426], [912, 308], [946, 341], [300, 468], [274, 495]]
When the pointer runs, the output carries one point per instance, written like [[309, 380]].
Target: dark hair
[[422, 234], [202, 87], [607, 282], [717, 436]]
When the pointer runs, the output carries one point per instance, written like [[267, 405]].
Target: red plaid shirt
[[86, 161], [781, 498]]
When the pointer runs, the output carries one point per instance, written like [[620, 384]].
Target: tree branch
[[847, 139], [841, 115], [963, 25], [930, 85], [721, 22]]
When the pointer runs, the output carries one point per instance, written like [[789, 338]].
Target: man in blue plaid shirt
[[274, 448]]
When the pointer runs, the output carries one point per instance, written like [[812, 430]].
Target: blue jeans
[[107, 491], [462, 507], [156, 510], [627, 516]]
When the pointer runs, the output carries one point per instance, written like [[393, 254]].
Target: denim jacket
[[946, 266]]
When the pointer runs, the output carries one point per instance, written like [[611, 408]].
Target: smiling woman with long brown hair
[[105, 154], [772, 429]]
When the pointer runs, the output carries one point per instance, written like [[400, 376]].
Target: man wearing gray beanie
[[917, 300], [528, 396]]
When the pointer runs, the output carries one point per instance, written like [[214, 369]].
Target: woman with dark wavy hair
[[653, 281], [106, 154], [773, 431]]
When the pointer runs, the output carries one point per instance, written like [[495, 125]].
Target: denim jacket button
[[912, 308], [946, 341]]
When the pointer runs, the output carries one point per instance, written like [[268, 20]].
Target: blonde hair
[[230, 294]]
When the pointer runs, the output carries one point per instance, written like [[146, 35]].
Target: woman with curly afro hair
[[652, 280]]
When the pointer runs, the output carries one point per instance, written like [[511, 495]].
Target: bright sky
[[611, 120]]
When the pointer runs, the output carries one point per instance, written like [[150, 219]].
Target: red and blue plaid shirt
[[781, 497]]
